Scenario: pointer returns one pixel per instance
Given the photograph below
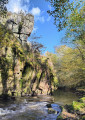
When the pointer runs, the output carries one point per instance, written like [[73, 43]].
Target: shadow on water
[[63, 97]]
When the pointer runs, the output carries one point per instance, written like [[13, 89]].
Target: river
[[34, 108]]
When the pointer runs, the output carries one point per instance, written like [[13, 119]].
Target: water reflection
[[65, 97]]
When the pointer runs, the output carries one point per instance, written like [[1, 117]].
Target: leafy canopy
[[61, 10]]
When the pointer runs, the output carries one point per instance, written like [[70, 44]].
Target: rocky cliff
[[20, 24], [22, 71]]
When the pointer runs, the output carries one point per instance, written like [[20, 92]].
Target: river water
[[65, 97], [28, 108]]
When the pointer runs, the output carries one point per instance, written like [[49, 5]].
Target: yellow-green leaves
[[70, 66]]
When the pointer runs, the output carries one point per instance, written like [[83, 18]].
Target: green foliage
[[4, 67], [83, 117], [70, 62], [62, 9], [52, 65], [18, 50], [38, 75], [78, 105], [55, 81], [21, 83], [76, 30], [4, 36], [3, 9], [69, 67], [59, 118], [52, 57], [82, 100]]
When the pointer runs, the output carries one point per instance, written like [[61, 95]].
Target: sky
[[43, 23]]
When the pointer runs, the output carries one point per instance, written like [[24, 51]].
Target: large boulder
[[20, 24]]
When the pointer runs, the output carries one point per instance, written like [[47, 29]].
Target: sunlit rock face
[[25, 72], [20, 24]]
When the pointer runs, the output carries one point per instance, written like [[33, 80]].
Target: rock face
[[20, 24], [22, 71]]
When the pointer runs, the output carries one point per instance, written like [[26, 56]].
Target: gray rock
[[9, 26], [20, 24], [51, 111], [49, 106], [23, 37], [15, 29]]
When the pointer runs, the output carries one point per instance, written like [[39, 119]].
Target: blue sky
[[43, 25]]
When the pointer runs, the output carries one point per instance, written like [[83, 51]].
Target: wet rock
[[49, 106], [52, 111], [13, 109], [33, 94]]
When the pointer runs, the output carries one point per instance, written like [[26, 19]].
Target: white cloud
[[37, 14], [35, 11], [40, 18], [17, 6]]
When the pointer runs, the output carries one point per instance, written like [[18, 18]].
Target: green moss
[[59, 118], [27, 69], [21, 83], [38, 75], [13, 50], [18, 50], [78, 105], [83, 117], [82, 99], [25, 91], [55, 80]]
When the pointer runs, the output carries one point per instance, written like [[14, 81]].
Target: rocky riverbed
[[29, 108]]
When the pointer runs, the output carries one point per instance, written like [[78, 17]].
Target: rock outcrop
[[20, 24], [22, 71]]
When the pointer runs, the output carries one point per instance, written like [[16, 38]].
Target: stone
[[9, 26], [16, 35], [25, 30], [30, 25], [31, 18], [20, 24], [24, 43], [48, 105], [51, 111], [26, 23], [15, 29], [23, 37]]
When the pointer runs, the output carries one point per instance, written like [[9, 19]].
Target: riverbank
[[75, 111], [50, 105]]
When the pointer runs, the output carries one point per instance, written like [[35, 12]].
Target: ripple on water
[[28, 111]]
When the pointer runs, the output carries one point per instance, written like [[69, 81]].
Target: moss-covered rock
[[59, 118], [77, 105], [82, 100], [22, 69], [75, 111]]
